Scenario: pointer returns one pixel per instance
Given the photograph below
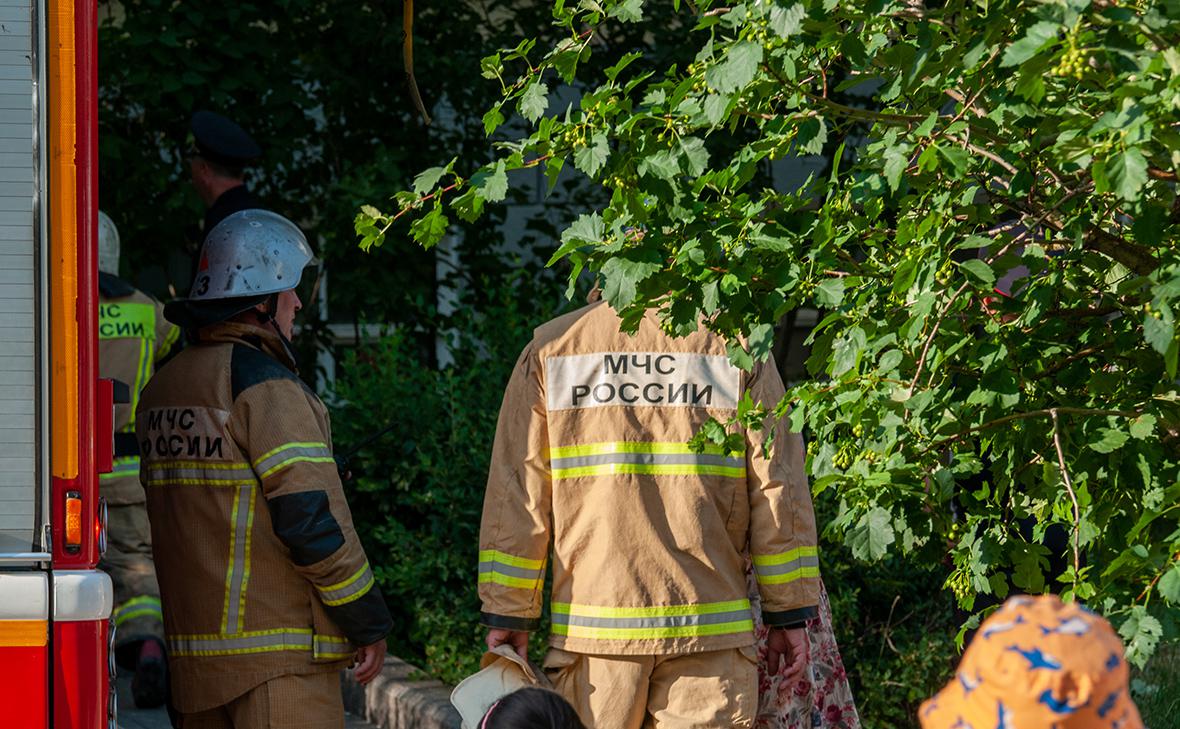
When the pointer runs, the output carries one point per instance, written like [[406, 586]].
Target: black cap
[[220, 140]]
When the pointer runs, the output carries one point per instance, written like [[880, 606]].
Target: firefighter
[[221, 152], [134, 337], [267, 590], [651, 622]]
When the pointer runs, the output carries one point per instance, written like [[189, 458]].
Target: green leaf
[[1108, 440], [739, 356], [696, 157], [495, 185], [714, 108], [979, 271], [786, 22], [813, 134], [761, 341], [628, 11], [1159, 333], [846, 351], [1143, 426], [430, 228], [427, 179], [896, 162], [1037, 36], [534, 101], [492, 120], [592, 158], [1142, 632], [1128, 173], [872, 535], [738, 68], [830, 293], [1169, 585], [587, 230], [623, 276]]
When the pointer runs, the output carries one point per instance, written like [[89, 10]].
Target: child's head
[[531, 708]]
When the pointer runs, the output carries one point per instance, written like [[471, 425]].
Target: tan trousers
[[310, 701], [686, 691], [128, 560]]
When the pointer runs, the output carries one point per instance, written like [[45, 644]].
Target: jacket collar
[[252, 335]]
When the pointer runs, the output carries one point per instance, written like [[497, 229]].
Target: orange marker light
[[73, 521]]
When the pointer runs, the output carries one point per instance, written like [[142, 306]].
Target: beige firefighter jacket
[[649, 538], [133, 337], [261, 572]]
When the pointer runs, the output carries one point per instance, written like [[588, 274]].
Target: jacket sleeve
[[514, 532], [289, 449], [782, 521]]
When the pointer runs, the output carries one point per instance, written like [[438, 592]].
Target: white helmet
[[250, 253], [108, 245]]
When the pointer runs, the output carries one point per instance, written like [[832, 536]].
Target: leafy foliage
[[992, 245], [419, 485]]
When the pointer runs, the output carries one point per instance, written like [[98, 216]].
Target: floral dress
[[826, 700]]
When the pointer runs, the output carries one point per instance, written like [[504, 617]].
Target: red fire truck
[[55, 413]]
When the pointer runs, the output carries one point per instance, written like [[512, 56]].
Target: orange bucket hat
[[1038, 663]]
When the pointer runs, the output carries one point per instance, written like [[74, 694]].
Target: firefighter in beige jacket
[[133, 339], [266, 589], [651, 624]]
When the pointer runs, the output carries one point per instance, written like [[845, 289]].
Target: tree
[[993, 247]]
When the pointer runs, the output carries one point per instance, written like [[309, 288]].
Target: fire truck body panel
[[55, 415]]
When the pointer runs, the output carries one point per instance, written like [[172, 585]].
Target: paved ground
[[133, 718]]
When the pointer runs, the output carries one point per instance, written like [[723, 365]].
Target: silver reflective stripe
[[163, 475], [785, 567], [692, 459], [330, 646], [671, 621], [239, 570], [291, 453], [214, 645], [507, 569], [352, 591]]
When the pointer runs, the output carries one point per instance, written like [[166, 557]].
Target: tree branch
[[1073, 497], [1132, 255]]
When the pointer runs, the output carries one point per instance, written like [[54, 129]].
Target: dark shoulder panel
[[249, 367]]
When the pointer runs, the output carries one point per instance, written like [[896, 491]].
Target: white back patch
[[642, 379]]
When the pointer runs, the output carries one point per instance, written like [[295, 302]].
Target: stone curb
[[394, 700]]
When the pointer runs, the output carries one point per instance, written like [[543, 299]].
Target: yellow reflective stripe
[[242, 634], [349, 590], [645, 469], [296, 459], [682, 631], [507, 581], [654, 447], [304, 452], [493, 555], [657, 611], [288, 446], [198, 482], [343, 647], [789, 576], [767, 560], [169, 339], [138, 607], [246, 563], [345, 583]]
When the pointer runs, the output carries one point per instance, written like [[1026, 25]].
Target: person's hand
[[518, 639], [788, 652], [368, 661]]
